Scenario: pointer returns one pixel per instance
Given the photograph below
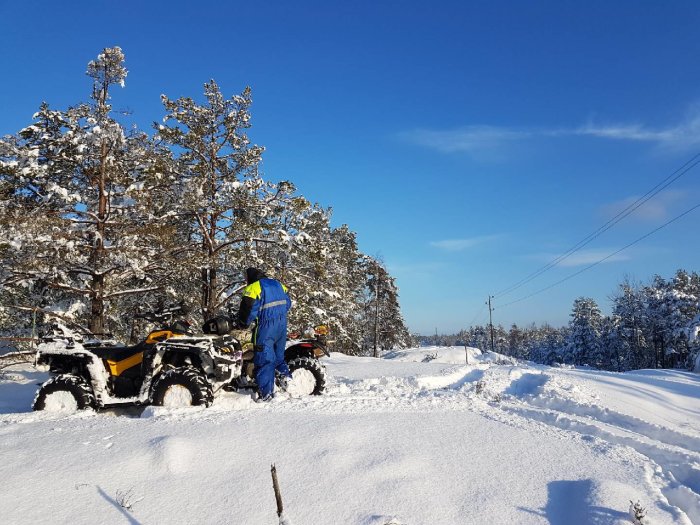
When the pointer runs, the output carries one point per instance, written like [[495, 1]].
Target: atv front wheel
[[180, 387], [64, 393], [308, 377]]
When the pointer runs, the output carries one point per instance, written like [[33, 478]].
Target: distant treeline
[[651, 326]]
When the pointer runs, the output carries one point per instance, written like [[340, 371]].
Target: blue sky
[[467, 143]]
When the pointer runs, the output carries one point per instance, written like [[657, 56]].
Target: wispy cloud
[[416, 269], [681, 136], [458, 245], [583, 257], [480, 139], [657, 208], [470, 139]]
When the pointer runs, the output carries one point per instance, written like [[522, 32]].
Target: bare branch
[[51, 314], [234, 241], [16, 358], [228, 297]]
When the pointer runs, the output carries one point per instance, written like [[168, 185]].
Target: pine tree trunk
[[209, 283], [209, 277], [97, 307], [97, 310]]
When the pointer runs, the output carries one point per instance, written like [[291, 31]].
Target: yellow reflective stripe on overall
[[253, 290]]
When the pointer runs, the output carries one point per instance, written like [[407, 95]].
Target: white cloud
[[458, 245], [583, 257], [470, 139], [684, 135], [657, 208], [416, 270], [477, 139]]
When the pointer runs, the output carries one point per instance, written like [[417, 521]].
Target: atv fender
[[176, 355], [299, 350]]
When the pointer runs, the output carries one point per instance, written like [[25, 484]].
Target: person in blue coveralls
[[266, 302]]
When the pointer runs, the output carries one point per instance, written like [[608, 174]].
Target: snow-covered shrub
[[127, 499], [638, 514]]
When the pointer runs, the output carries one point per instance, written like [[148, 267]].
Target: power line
[[685, 168], [478, 314], [604, 258]]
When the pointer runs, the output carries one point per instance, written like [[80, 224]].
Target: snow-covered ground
[[424, 436]]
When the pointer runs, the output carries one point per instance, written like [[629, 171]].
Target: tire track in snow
[[673, 452], [553, 401]]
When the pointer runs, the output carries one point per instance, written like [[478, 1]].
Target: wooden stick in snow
[[278, 494]]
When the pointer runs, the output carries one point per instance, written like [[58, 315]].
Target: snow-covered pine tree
[[554, 343], [349, 277], [478, 337], [517, 343], [693, 361], [223, 200], [384, 325], [97, 222], [626, 340], [72, 180], [658, 302], [303, 266], [583, 341], [322, 267], [684, 298]]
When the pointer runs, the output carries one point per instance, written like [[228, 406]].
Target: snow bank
[[436, 354]]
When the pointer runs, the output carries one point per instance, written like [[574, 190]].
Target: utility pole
[[491, 320]]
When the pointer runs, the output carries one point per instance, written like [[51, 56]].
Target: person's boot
[[264, 399], [282, 382]]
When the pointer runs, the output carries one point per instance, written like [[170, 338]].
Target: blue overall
[[269, 308]]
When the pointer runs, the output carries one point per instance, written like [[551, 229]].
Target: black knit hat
[[253, 274]]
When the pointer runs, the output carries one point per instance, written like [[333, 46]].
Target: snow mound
[[456, 355], [173, 454]]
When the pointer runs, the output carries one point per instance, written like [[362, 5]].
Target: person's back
[[266, 302], [274, 300]]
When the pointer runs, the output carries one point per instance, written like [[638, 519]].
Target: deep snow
[[393, 441]]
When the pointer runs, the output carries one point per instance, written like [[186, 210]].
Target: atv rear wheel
[[64, 393], [184, 386], [308, 377]]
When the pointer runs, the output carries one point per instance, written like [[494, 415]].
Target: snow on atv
[[171, 367]]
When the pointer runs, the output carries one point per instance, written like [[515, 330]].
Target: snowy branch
[[50, 313], [227, 298], [16, 358], [132, 291], [205, 233], [235, 241]]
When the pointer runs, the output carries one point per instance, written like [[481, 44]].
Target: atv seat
[[118, 353]]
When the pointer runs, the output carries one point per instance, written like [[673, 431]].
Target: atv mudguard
[[59, 363], [304, 349]]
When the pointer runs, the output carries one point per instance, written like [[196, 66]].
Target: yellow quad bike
[[170, 367]]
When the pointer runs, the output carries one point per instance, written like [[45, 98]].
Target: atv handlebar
[[163, 314]]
